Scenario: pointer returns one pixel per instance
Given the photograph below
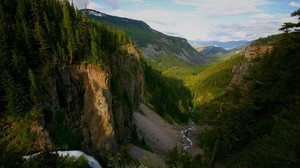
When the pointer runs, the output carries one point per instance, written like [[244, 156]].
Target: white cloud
[[264, 16], [80, 4], [207, 19], [221, 7], [295, 4], [95, 6], [193, 26]]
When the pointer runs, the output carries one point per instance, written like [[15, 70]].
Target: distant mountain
[[226, 45], [152, 43], [211, 50]]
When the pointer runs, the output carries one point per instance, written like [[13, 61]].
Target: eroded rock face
[[84, 90], [239, 72], [127, 89], [252, 52], [99, 102], [97, 117]]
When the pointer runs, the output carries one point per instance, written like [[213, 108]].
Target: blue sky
[[221, 20]]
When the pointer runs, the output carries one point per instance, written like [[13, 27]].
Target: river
[[185, 142]]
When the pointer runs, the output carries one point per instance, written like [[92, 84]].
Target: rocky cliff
[[252, 52], [98, 101]]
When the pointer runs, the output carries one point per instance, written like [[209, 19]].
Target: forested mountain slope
[[255, 121], [69, 82], [61, 83], [152, 43]]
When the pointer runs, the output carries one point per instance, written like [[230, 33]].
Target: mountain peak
[[93, 12]]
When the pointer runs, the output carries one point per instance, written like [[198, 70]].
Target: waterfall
[[92, 162]]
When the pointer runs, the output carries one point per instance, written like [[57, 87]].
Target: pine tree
[[67, 21]]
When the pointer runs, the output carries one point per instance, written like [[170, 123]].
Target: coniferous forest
[[252, 123]]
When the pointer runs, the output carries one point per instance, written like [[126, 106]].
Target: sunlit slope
[[211, 82]]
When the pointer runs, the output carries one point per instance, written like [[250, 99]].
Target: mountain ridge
[[228, 45], [152, 43]]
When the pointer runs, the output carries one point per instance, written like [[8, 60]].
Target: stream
[[185, 142]]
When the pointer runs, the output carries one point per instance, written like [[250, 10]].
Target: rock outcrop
[[84, 92], [127, 89], [99, 102], [252, 52], [239, 72]]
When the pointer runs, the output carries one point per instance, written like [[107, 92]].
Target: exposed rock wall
[[252, 52], [127, 90], [84, 90], [239, 72], [99, 101]]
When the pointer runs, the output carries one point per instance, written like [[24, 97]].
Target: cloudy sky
[[221, 20]]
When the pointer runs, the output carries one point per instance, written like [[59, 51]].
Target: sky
[[205, 20]]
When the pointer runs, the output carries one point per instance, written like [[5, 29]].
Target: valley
[[83, 88]]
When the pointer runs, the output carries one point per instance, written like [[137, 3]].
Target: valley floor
[[159, 135]]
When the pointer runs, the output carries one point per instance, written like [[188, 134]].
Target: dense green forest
[[36, 38], [252, 124], [38, 35], [169, 96]]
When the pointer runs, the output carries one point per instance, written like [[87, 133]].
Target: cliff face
[[84, 92], [251, 52], [127, 89], [239, 72], [99, 101]]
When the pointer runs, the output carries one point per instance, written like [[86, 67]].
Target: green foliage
[[10, 159], [167, 95], [36, 37], [123, 160], [164, 63], [64, 136], [55, 33], [177, 158], [18, 135], [270, 40], [49, 160], [144, 36], [210, 83], [256, 124], [184, 73]]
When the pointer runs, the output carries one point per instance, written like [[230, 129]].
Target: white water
[[92, 162], [188, 142]]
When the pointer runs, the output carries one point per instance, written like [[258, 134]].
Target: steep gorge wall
[[250, 53], [83, 91], [99, 102], [127, 89]]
